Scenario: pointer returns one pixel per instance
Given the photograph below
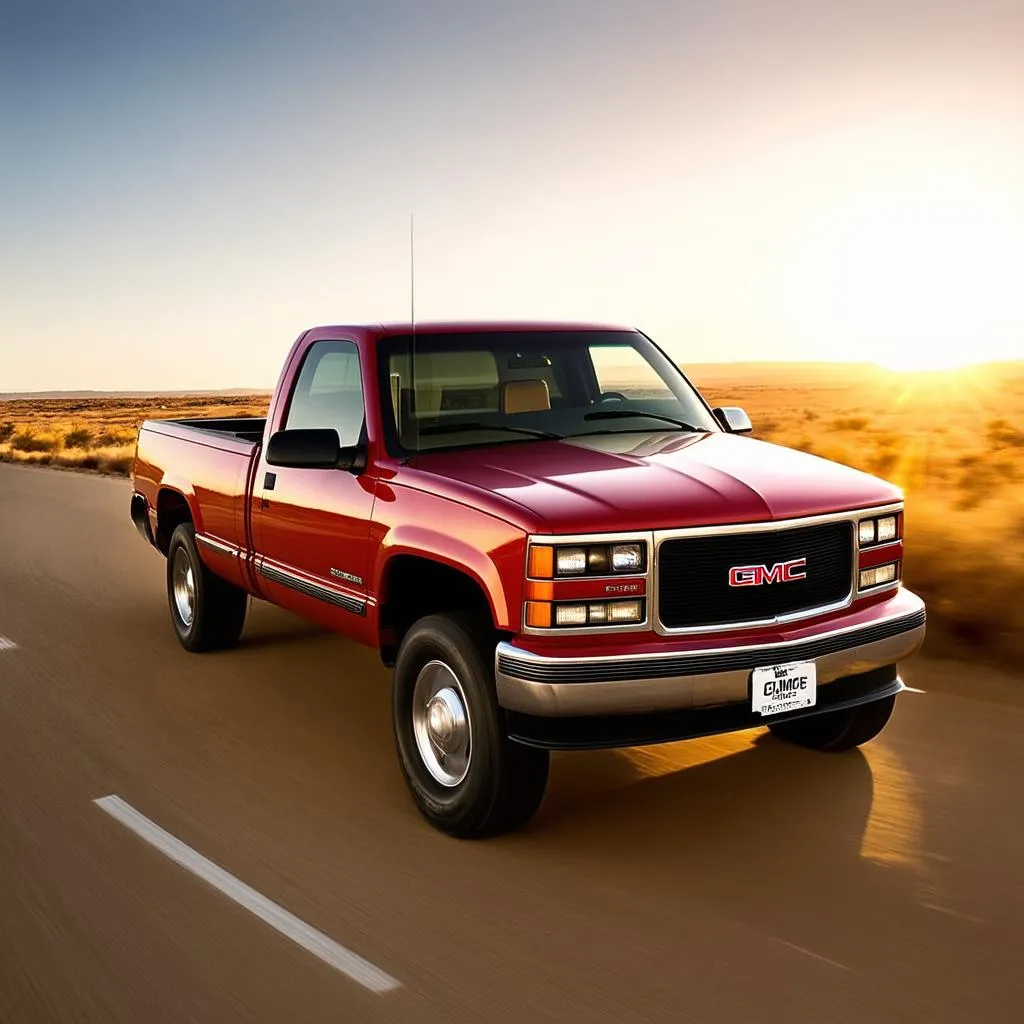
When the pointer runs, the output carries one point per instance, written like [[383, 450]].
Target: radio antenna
[[412, 274], [413, 417]]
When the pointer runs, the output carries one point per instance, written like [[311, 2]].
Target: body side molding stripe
[[220, 546], [351, 604]]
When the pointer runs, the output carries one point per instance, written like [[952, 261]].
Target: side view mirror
[[733, 419], [312, 449]]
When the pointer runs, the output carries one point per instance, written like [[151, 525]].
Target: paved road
[[726, 880]]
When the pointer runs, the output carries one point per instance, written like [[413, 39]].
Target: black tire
[[504, 781], [835, 731], [218, 607]]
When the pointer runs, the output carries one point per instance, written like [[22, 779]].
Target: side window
[[328, 391], [622, 368]]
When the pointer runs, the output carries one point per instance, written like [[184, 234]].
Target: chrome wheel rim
[[441, 724], [184, 587]]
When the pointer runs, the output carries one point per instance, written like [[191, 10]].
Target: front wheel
[[207, 612], [835, 731], [467, 777]]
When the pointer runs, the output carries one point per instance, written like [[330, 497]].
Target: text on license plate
[[778, 688]]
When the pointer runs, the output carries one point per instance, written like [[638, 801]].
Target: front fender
[[496, 564]]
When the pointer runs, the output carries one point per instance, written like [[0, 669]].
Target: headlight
[[599, 613], [886, 529], [570, 561], [878, 530], [547, 562], [628, 557], [879, 575]]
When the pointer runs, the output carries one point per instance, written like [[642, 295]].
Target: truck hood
[[656, 481]]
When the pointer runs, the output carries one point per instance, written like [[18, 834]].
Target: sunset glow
[[920, 271]]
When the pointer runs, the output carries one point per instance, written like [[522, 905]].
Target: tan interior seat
[[525, 396]]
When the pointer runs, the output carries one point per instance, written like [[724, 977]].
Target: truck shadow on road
[[809, 847]]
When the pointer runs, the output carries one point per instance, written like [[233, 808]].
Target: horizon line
[[144, 392]]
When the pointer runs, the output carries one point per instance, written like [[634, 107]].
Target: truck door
[[311, 526]]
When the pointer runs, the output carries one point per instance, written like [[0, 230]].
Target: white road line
[[817, 956], [953, 913], [310, 938], [7, 645]]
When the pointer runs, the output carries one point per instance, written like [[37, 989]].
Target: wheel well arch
[[172, 509], [413, 586]]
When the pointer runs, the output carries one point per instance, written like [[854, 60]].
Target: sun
[[922, 275], [910, 360]]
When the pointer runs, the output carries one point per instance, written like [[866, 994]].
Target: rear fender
[[181, 490]]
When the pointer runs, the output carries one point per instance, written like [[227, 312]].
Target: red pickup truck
[[552, 539]]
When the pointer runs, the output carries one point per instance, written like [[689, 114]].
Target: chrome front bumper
[[680, 679]]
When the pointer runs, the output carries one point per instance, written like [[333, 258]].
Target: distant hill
[[766, 373], [14, 396]]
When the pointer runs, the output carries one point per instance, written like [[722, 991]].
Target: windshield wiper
[[454, 428], [618, 414]]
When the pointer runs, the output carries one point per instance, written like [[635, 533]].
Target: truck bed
[[245, 428], [207, 463]]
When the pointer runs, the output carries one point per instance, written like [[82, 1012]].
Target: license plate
[[778, 688]]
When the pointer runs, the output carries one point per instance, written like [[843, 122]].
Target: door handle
[[269, 480]]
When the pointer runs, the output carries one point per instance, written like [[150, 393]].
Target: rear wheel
[[467, 777], [207, 612], [835, 731]]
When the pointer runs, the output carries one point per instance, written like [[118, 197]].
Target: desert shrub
[[109, 438], [26, 441], [117, 464], [810, 415], [1002, 434], [78, 437], [7, 431], [850, 423], [883, 461]]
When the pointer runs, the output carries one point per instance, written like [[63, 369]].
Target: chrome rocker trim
[[634, 684], [315, 590], [219, 546]]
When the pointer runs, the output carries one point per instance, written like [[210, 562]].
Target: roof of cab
[[380, 330]]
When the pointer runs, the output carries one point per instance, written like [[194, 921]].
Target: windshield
[[514, 387]]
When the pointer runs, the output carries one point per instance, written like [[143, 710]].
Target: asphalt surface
[[726, 880]]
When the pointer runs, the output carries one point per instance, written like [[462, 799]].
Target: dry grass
[[953, 441], [98, 434]]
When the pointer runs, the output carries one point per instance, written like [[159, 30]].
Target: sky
[[185, 186]]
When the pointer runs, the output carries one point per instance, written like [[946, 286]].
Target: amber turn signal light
[[538, 614], [540, 590], [542, 562]]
